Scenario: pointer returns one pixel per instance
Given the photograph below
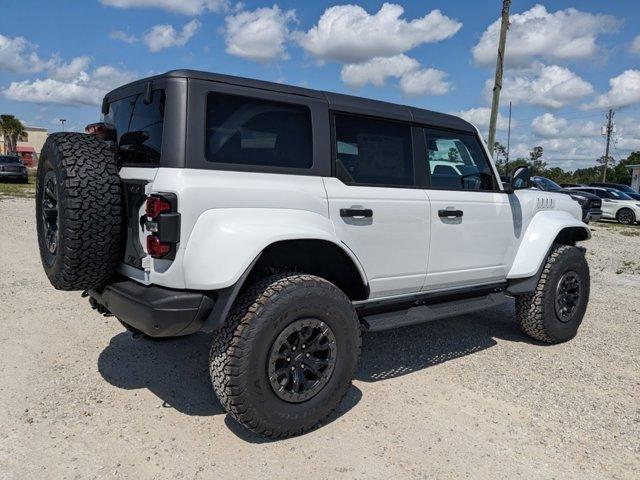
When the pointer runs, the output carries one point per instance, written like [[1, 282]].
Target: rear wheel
[[287, 354], [626, 216], [554, 311]]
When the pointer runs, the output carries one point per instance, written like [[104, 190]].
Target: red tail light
[[157, 205], [156, 248], [163, 225]]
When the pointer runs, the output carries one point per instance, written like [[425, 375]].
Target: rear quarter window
[[252, 131]]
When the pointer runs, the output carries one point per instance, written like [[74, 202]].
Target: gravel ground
[[469, 397]]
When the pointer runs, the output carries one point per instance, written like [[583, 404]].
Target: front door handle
[[450, 213], [356, 212]]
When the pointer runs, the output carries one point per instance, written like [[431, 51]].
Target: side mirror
[[519, 179]]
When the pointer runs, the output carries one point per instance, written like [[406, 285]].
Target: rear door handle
[[356, 212], [450, 213]]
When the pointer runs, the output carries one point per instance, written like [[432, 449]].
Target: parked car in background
[[591, 204], [615, 204], [619, 186], [12, 168]]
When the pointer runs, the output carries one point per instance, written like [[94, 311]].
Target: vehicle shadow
[[394, 353], [176, 371]]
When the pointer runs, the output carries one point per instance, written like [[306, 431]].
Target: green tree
[[538, 166], [11, 129], [500, 155]]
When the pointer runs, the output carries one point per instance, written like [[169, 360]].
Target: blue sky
[[567, 61]]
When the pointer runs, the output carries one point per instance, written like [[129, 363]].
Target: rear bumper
[[155, 311]]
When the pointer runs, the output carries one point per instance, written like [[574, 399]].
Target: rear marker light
[[156, 248]]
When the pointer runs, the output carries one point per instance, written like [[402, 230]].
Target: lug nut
[[302, 366], [288, 359], [307, 355], [293, 348], [293, 368], [303, 346]]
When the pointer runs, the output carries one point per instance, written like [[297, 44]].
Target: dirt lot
[[469, 397]]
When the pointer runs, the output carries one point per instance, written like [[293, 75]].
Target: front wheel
[[286, 355], [626, 216], [554, 311]]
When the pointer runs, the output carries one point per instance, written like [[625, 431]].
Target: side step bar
[[434, 311]]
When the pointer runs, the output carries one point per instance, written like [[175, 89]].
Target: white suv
[[616, 205], [287, 221]]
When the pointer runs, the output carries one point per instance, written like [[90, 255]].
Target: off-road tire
[[238, 359], [89, 216], [536, 312], [625, 216]]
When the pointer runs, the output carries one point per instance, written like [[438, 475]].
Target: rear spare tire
[[78, 211]]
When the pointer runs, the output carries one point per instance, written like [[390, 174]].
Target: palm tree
[[11, 129]]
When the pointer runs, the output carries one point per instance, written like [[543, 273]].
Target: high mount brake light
[[156, 206]]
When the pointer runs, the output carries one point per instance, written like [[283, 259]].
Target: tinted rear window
[[373, 152], [138, 129], [252, 131]]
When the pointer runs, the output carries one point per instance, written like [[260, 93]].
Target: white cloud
[[347, 33], [377, 70], [19, 56], [68, 71], [186, 7], [123, 36], [624, 91], [165, 36], [635, 46], [428, 81], [414, 81], [480, 117], [259, 34], [85, 88], [543, 85], [537, 33], [550, 126]]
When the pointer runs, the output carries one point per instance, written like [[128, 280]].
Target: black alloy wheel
[[568, 294], [50, 213], [302, 360]]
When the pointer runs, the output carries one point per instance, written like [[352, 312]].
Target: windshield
[[546, 184], [9, 159], [625, 188], [618, 194]]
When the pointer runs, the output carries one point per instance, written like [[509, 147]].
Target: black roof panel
[[336, 101]]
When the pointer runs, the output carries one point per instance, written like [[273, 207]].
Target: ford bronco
[[286, 222]]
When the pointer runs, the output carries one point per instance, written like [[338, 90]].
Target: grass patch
[[20, 190]]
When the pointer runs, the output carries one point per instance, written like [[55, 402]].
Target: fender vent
[[545, 203]]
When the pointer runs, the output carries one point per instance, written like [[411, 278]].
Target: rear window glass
[[138, 128], [252, 131], [373, 152]]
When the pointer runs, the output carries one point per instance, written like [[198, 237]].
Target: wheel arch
[[545, 230], [228, 245]]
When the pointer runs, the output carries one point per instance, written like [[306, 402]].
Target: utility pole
[[62, 122], [497, 84], [506, 163], [606, 152]]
